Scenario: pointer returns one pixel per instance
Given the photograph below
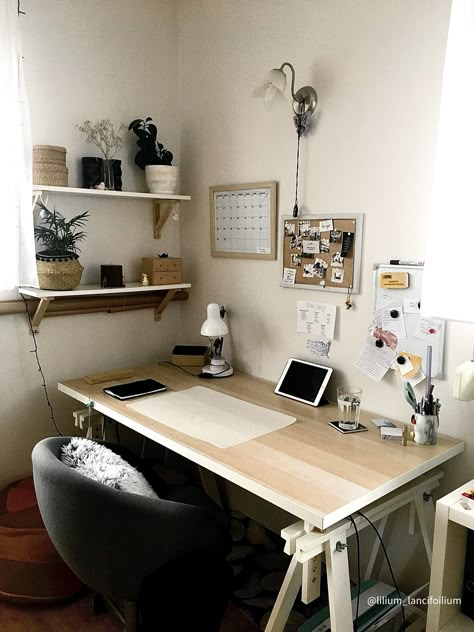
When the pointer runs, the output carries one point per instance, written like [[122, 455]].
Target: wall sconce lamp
[[304, 100], [304, 103]]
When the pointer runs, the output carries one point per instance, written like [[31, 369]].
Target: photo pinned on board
[[324, 245], [290, 229], [316, 269], [296, 242], [337, 275], [335, 236], [336, 260], [296, 260], [304, 228]]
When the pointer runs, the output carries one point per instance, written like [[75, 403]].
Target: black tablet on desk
[[135, 389], [304, 381]]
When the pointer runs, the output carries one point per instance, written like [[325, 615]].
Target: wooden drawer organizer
[[162, 270]]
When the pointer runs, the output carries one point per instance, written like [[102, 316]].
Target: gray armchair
[[125, 546]]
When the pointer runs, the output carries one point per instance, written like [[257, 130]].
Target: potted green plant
[[57, 265], [154, 158]]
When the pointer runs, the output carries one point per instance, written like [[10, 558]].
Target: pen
[[401, 262]]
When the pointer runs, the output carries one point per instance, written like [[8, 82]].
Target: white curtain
[[448, 288], [17, 251]]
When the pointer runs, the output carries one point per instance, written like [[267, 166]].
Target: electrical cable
[[177, 366], [295, 207], [389, 566], [356, 531], [194, 374], [40, 369]]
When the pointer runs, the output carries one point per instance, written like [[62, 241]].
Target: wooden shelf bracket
[[167, 298], [39, 313], [161, 211]]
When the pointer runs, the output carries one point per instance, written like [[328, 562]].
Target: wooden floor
[[76, 616]]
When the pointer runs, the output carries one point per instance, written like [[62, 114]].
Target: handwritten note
[[394, 321], [289, 276], [375, 361], [326, 225], [426, 328], [411, 305], [320, 348], [317, 319]]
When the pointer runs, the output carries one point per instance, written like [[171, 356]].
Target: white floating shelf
[[39, 188], [91, 290], [46, 296]]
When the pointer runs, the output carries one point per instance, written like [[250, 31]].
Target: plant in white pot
[[154, 158], [58, 266]]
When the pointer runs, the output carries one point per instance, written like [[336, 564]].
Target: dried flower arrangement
[[103, 135]]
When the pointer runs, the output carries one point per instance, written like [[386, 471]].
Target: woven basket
[[49, 153], [51, 176], [59, 275], [49, 165], [30, 567]]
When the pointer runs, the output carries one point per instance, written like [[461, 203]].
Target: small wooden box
[[162, 270], [190, 355]]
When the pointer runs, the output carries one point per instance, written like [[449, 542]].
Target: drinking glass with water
[[348, 400]]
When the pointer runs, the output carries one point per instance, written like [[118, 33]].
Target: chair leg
[[130, 615]]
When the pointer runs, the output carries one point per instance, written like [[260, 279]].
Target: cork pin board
[[322, 251]]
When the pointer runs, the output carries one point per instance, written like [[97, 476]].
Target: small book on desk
[[139, 388]]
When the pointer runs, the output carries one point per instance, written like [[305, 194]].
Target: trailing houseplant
[[153, 157], [58, 266]]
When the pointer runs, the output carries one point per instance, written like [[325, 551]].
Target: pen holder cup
[[426, 429]]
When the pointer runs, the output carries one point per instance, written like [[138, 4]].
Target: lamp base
[[218, 368]]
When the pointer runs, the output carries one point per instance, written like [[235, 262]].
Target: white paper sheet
[[375, 361], [289, 276], [426, 328], [395, 325], [310, 246], [210, 416], [320, 348], [317, 319]]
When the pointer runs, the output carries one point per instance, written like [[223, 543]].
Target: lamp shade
[[275, 82], [214, 325]]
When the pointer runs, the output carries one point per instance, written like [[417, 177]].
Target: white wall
[[88, 60], [377, 67]]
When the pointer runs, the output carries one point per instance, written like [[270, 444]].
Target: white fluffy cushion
[[104, 466]]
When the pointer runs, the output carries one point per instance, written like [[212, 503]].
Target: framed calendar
[[243, 220]]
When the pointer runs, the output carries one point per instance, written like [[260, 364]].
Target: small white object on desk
[[391, 433]]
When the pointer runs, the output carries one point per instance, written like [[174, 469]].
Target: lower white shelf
[[45, 297], [91, 290]]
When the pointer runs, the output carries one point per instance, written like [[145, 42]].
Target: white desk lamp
[[214, 327]]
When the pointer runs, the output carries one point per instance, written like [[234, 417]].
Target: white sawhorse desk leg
[[306, 546], [339, 585]]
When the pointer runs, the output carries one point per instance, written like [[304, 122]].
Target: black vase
[[92, 173]]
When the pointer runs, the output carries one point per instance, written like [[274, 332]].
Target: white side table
[[452, 521]]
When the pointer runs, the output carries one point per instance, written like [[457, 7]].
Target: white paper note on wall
[[394, 321], [375, 361], [317, 319]]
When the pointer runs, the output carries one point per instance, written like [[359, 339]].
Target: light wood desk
[[308, 469]]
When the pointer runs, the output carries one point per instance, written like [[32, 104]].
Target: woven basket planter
[[31, 569], [49, 165], [60, 274]]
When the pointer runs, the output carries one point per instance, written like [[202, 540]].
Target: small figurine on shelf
[[144, 279]]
